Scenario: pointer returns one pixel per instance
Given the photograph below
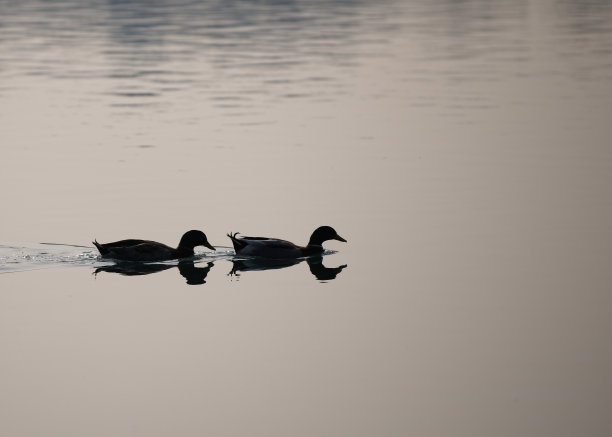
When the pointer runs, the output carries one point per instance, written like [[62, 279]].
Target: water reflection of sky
[[243, 54], [160, 47]]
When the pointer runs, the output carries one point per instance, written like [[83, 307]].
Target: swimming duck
[[275, 248], [144, 250]]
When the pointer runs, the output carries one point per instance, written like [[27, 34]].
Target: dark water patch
[[133, 105], [134, 94], [229, 98], [295, 95]]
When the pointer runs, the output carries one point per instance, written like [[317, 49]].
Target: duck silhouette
[[146, 250], [281, 249]]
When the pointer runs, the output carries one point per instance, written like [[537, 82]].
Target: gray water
[[461, 147]]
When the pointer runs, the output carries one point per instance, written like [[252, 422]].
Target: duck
[[145, 250], [281, 249]]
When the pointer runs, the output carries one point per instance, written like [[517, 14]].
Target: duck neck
[[315, 241], [313, 248], [184, 251]]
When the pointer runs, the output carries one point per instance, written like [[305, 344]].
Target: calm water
[[462, 149]]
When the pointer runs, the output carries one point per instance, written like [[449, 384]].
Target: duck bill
[[209, 246], [339, 238]]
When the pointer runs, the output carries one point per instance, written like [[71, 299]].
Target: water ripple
[[19, 257], [138, 43], [34, 256]]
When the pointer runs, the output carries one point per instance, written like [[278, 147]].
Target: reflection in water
[[139, 54], [315, 264], [197, 275], [194, 275], [320, 271]]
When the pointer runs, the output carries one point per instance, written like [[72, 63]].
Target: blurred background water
[[461, 147]]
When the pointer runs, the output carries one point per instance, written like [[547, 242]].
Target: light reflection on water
[[146, 51], [246, 56]]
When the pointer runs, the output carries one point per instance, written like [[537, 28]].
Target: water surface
[[462, 149]]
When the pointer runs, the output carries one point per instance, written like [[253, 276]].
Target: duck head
[[322, 234], [194, 238]]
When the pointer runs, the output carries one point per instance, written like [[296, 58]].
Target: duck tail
[[100, 248], [235, 241]]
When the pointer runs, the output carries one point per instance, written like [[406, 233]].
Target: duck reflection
[[321, 272], [315, 264], [194, 275]]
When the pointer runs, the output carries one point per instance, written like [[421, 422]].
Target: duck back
[[270, 247]]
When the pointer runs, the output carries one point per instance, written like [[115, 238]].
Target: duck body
[[270, 247], [281, 249], [146, 250]]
